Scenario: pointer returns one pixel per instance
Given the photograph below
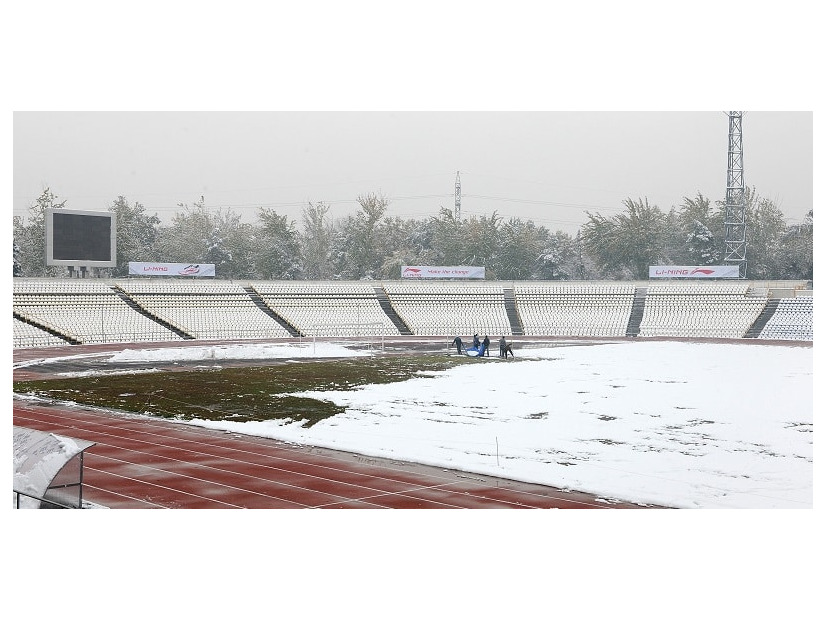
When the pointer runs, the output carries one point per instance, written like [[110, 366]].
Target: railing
[[309, 335], [52, 503]]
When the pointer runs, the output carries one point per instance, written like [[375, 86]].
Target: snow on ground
[[698, 425], [237, 351]]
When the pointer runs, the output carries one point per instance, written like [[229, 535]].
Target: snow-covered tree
[[798, 257], [136, 234], [482, 243], [17, 270], [370, 245], [199, 234], [448, 239], [701, 246], [558, 259], [278, 250], [363, 232], [518, 245], [217, 253], [316, 242], [765, 233], [30, 237], [627, 244]]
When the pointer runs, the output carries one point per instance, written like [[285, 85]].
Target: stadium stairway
[[637, 310], [256, 299], [384, 302], [763, 318], [513, 316], [141, 310]]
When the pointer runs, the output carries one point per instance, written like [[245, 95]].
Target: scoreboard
[[80, 238]]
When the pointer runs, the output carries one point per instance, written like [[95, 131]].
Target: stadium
[[71, 327], [175, 389]]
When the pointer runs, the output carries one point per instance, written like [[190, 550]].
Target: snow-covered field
[[693, 425]]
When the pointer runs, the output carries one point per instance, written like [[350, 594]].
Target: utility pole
[[735, 218], [457, 209]]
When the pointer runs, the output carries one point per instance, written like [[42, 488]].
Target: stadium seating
[[327, 308], [700, 310], [450, 308], [149, 309], [26, 335], [793, 320], [568, 309], [84, 311], [204, 309]]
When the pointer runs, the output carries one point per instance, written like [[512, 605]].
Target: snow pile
[[238, 352]]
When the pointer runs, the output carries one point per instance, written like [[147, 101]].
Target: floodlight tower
[[457, 209], [735, 218]]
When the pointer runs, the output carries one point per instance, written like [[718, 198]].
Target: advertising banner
[[707, 271], [171, 269], [419, 272]]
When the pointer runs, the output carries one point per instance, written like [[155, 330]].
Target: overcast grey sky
[[438, 63], [551, 167]]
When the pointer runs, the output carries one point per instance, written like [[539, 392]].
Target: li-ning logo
[[190, 270], [411, 272], [707, 272]]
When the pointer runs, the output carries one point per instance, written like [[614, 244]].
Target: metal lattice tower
[[735, 219], [457, 209]]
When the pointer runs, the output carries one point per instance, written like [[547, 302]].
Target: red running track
[[140, 462]]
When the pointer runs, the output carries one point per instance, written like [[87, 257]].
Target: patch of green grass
[[238, 394]]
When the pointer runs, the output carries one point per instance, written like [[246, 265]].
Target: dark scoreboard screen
[[80, 238]]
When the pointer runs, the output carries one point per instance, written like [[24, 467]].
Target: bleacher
[[84, 311], [450, 308], [701, 310], [574, 309], [27, 335], [204, 309], [54, 312], [793, 320], [327, 308]]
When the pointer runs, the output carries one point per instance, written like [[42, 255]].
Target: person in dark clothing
[[508, 350], [458, 342], [476, 341], [486, 342], [502, 345]]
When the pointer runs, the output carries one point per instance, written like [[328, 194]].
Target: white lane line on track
[[160, 486], [178, 491], [340, 498], [226, 486], [123, 495], [91, 416], [372, 491], [446, 480], [407, 495], [91, 426], [276, 483]]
